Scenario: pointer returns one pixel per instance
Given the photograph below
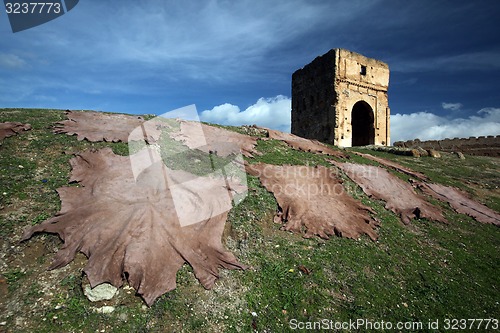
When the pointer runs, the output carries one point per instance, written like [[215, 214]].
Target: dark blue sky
[[234, 59]]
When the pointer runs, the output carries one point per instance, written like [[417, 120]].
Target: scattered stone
[[414, 153], [460, 155], [422, 152], [105, 309], [433, 153], [478, 146], [20, 321], [398, 150], [101, 292], [254, 130], [123, 316]]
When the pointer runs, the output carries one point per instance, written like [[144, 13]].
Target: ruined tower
[[341, 98]]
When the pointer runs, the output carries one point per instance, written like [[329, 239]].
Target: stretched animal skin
[[299, 143], [208, 138], [8, 129], [133, 227], [398, 195], [98, 126], [461, 202], [394, 165], [313, 201]]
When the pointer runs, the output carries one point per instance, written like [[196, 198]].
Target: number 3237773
[[33, 8]]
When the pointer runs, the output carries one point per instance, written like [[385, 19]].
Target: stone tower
[[341, 98]]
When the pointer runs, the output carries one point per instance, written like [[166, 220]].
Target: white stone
[[105, 309], [104, 291]]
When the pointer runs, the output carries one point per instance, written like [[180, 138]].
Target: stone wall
[[326, 92], [483, 145], [313, 99]]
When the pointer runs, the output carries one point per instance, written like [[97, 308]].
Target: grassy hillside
[[421, 272]]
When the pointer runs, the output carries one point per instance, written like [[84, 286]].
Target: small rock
[[105, 309], [101, 292], [19, 321], [460, 155], [422, 152], [415, 153], [433, 153], [123, 316]]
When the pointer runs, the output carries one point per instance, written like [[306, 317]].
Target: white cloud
[[276, 113], [428, 126], [451, 106], [272, 112], [11, 61]]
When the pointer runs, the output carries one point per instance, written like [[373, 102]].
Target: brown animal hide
[[98, 126], [298, 143], [399, 195], [141, 224], [394, 165], [461, 202], [208, 138], [313, 201], [8, 129]]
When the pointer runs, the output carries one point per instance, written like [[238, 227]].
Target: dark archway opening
[[363, 129]]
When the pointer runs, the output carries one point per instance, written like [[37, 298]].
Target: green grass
[[421, 272]]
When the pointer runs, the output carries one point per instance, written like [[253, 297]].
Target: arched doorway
[[363, 129]]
